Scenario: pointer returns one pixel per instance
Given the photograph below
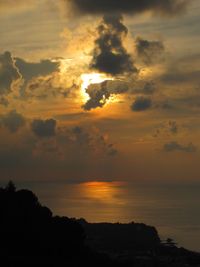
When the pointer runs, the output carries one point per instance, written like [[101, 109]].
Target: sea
[[174, 209]]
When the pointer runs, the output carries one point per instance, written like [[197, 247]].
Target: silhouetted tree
[[170, 242], [10, 187]]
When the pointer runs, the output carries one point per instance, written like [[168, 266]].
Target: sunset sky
[[90, 96]]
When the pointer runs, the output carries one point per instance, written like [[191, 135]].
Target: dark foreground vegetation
[[31, 236]]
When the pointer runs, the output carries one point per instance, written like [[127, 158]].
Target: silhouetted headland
[[31, 236]]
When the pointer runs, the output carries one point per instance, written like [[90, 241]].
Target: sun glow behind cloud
[[91, 78]]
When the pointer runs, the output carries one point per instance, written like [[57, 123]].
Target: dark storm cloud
[[8, 73], [44, 128], [174, 146], [100, 93], [109, 55], [12, 121], [141, 104], [167, 7], [149, 51], [34, 69]]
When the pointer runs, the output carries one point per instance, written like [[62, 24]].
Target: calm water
[[174, 210]]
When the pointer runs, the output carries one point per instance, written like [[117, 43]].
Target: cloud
[[183, 70], [44, 128], [100, 93], [174, 146], [13, 121], [141, 104], [149, 51], [166, 7], [8, 73], [47, 79], [48, 86], [167, 129], [29, 70], [28, 77], [93, 140], [109, 54], [80, 152], [148, 88], [77, 142]]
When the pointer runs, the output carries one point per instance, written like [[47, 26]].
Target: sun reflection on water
[[105, 192]]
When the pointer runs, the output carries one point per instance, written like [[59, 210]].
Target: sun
[[91, 78]]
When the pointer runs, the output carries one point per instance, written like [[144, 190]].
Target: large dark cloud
[[100, 93], [141, 104], [149, 51], [44, 128], [168, 7], [109, 55], [12, 121], [8, 73], [174, 146]]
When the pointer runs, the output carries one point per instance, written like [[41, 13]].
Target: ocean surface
[[173, 209]]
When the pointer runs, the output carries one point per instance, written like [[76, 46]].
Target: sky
[[89, 96]]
